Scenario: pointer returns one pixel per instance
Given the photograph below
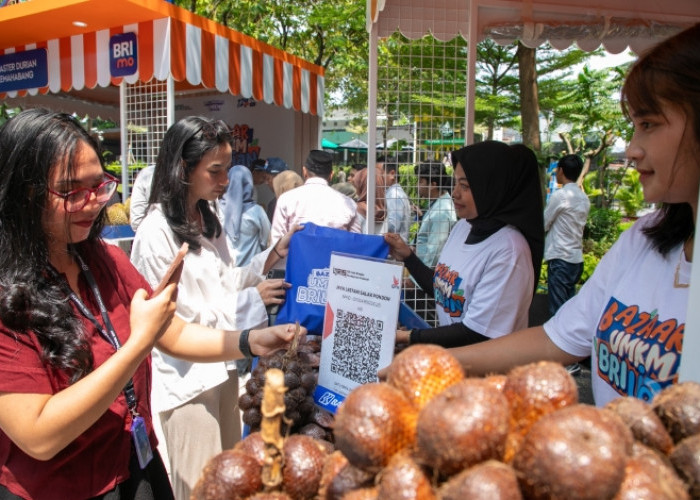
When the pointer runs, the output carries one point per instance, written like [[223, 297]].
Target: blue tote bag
[[308, 265]]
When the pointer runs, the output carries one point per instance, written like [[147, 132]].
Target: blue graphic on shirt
[[448, 293], [638, 353]]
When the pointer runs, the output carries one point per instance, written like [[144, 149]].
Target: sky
[[609, 60]]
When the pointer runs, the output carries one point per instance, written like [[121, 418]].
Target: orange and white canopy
[[171, 42]]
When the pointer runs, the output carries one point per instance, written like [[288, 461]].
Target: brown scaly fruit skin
[[349, 478], [374, 422], [498, 380], [678, 407], [403, 479], [685, 457], [645, 425], [331, 467], [577, 453], [272, 495], [253, 446], [370, 493], [490, 480], [534, 390], [465, 424], [303, 465], [649, 476], [422, 371], [230, 474]]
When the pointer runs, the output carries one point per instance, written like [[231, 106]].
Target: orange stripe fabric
[[178, 44], [65, 58], [234, 67], [90, 59], [145, 44], [296, 88], [258, 75], [279, 82], [208, 59], [313, 93]]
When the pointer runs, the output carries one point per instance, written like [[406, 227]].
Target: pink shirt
[[315, 202]]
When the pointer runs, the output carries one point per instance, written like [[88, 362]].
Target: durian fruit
[[116, 215], [127, 207]]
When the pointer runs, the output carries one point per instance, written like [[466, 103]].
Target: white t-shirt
[[487, 286], [629, 317], [212, 291], [564, 219], [398, 211]]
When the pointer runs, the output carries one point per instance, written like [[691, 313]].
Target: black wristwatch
[[244, 344]]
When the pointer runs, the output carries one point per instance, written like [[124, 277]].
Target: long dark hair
[[32, 145], [182, 148], [671, 72]]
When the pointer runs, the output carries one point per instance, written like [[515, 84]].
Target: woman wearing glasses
[[77, 327]]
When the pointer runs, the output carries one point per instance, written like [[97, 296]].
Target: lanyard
[[107, 332]]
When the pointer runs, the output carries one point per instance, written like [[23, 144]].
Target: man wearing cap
[[315, 201]]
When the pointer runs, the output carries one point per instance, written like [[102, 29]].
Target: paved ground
[[583, 379]]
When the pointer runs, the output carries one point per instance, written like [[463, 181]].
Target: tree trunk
[[529, 101]]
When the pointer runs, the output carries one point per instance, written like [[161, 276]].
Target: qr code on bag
[[356, 347]]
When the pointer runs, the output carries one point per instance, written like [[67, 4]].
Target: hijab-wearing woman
[[360, 183], [245, 222], [489, 267]]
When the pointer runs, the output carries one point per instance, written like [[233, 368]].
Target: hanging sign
[[123, 56], [23, 70], [359, 327]]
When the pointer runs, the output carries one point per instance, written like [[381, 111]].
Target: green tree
[[590, 104]]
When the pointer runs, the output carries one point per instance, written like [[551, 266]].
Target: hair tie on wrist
[[244, 344], [274, 249]]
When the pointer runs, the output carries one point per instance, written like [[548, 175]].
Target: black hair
[[571, 166], [390, 163], [669, 72], [434, 172], [359, 166], [183, 147], [33, 144]]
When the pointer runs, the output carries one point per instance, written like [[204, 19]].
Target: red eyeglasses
[[75, 200]]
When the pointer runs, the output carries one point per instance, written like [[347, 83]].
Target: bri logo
[[329, 399]]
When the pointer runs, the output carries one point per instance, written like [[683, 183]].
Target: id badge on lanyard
[[139, 434], [141, 442]]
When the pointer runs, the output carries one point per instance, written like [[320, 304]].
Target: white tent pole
[[372, 128], [123, 132], [471, 71], [689, 368], [170, 103]]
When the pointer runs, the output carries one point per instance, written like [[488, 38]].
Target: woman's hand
[[282, 245], [280, 249], [403, 336], [273, 291], [268, 340], [399, 248], [151, 317]]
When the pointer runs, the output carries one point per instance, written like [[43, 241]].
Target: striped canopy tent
[[614, 24], [195, 53]]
